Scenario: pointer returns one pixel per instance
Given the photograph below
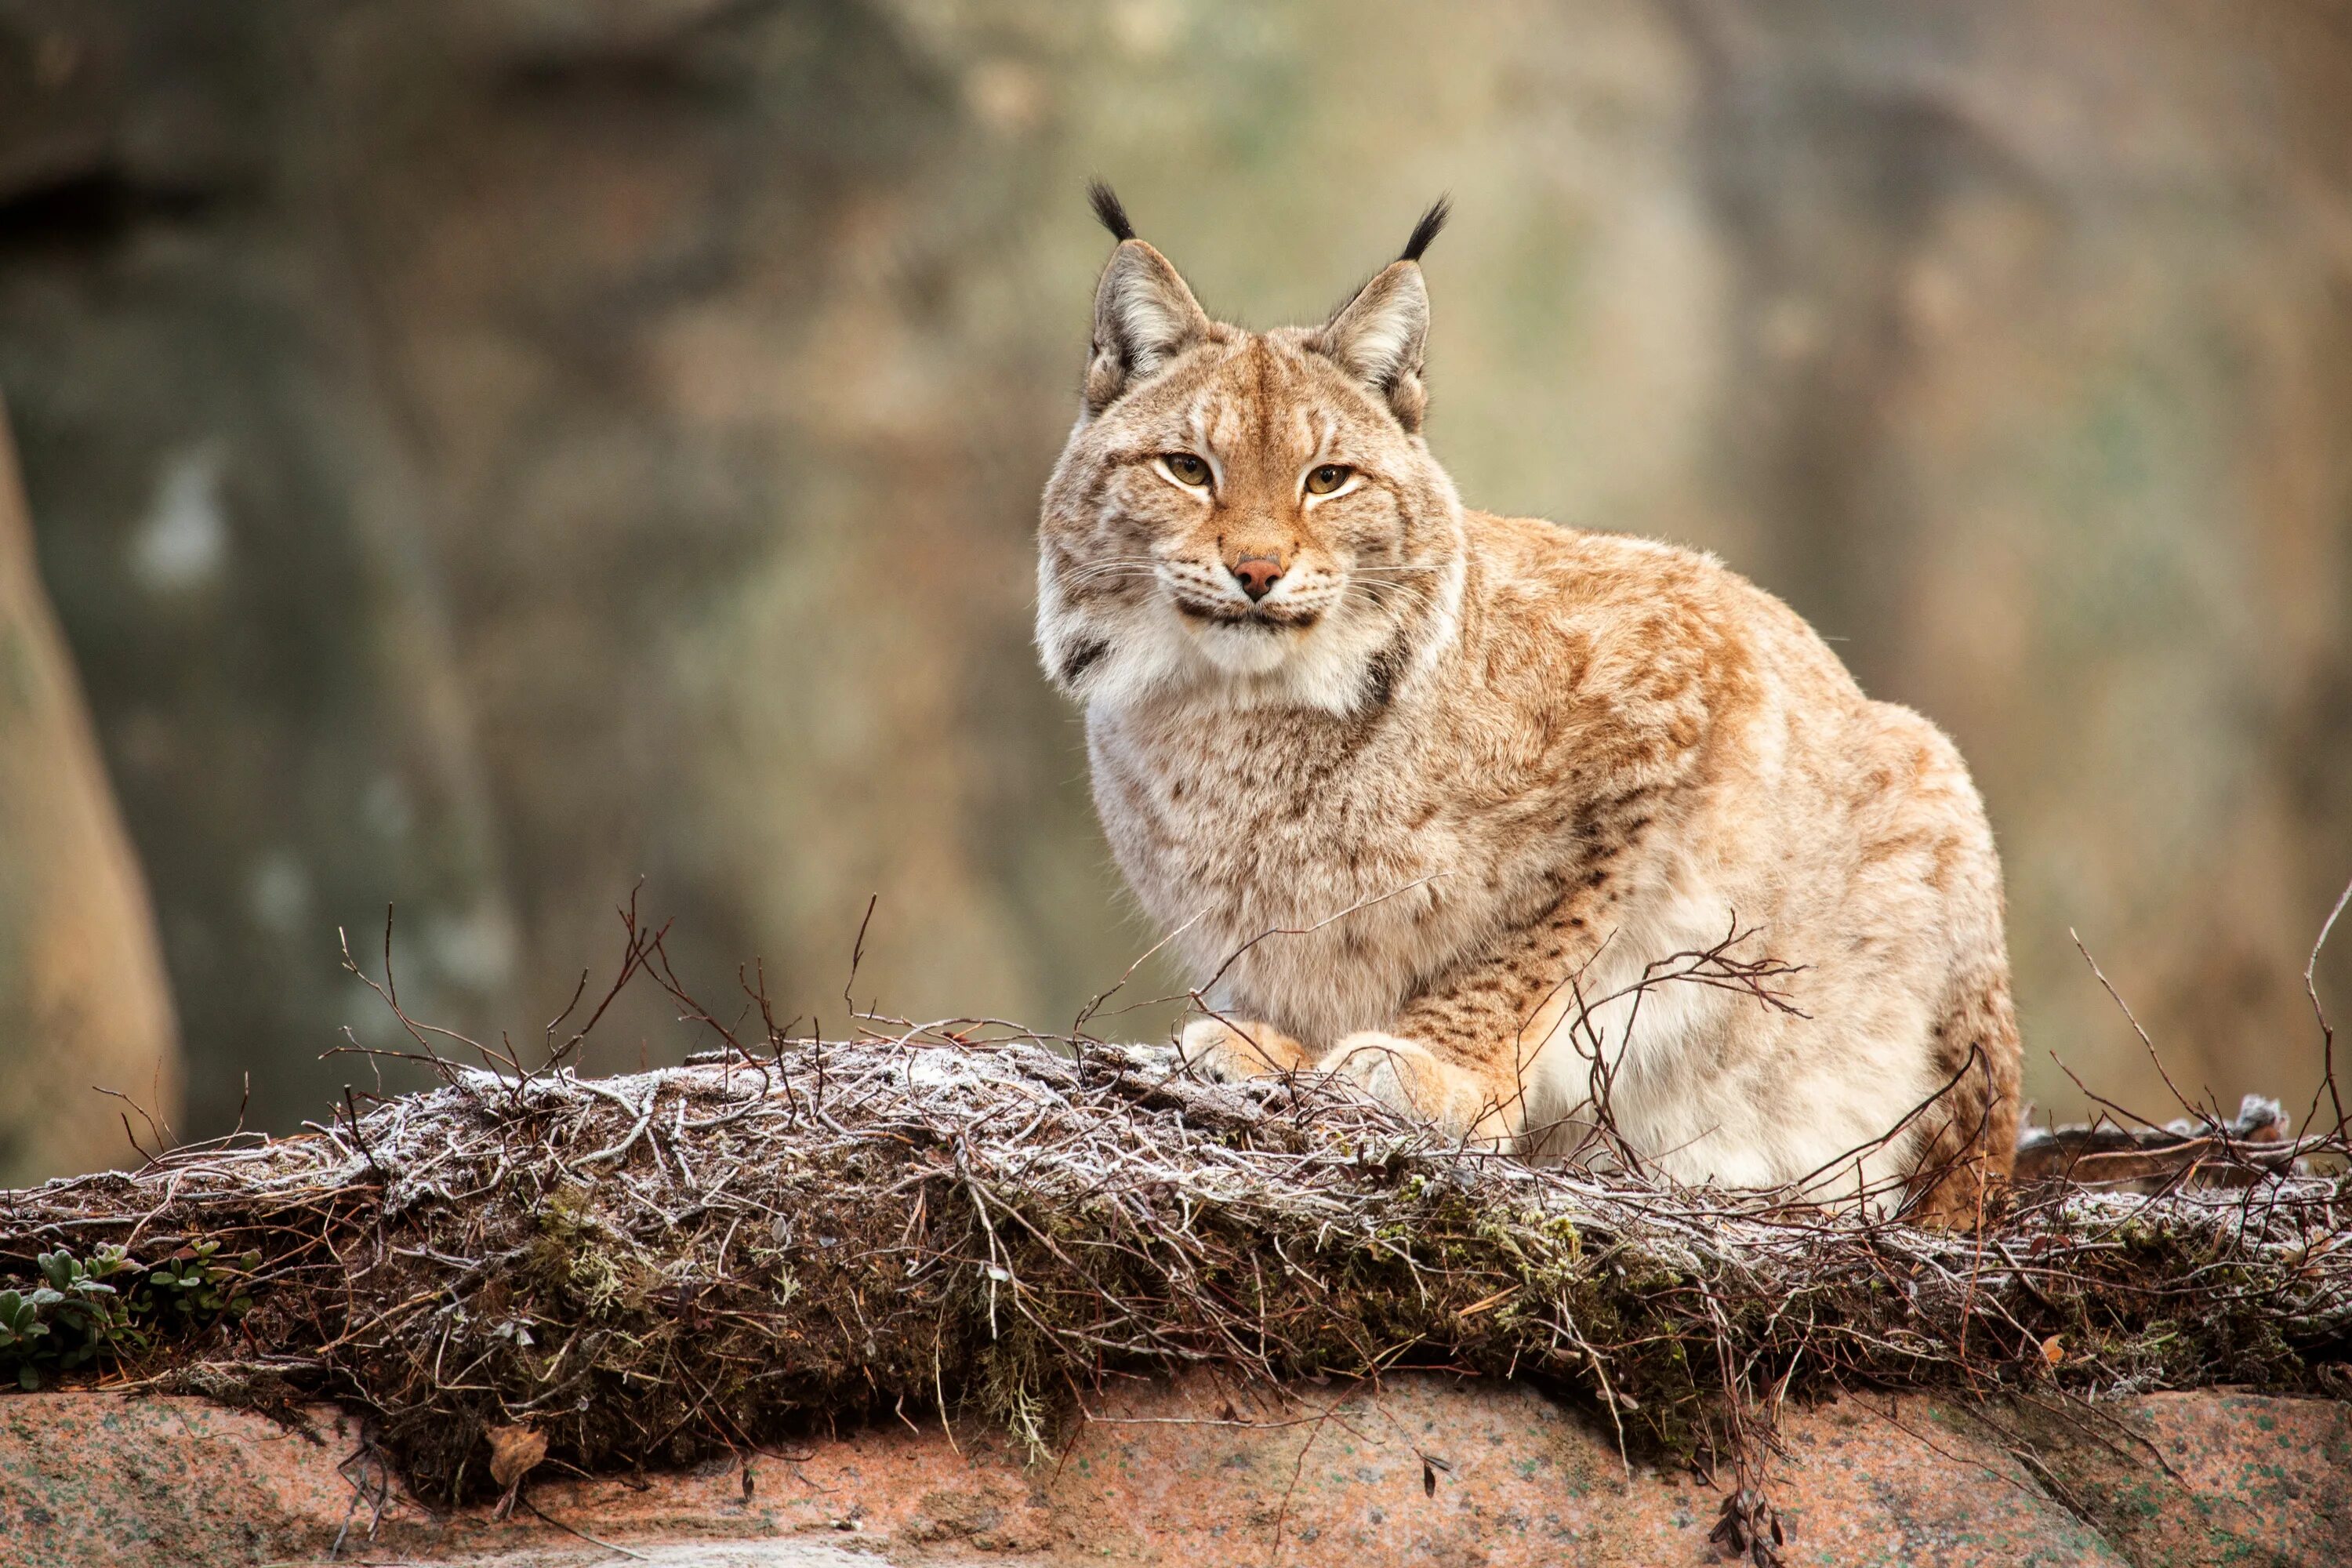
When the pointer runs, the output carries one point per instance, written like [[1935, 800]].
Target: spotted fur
[[1478, 775]]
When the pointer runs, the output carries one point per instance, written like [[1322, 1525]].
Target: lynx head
[[1247, 518]]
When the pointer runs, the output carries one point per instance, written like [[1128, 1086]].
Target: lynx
[[1561, 840]]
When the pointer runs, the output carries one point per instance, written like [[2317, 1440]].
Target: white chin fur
[[1247, 651], [1155, 653]]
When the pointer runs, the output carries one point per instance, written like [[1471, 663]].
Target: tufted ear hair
[[1379, 336], [1144, 314]]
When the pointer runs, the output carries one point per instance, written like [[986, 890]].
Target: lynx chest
[[1320, 868]]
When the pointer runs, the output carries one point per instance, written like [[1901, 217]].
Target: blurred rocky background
[[489, 457]]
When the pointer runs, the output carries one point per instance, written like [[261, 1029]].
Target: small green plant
[[111, 1306], [190, 1286], [20, 1327]]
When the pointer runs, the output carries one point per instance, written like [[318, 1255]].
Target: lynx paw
[[1405, 1077], [1398, 1073], [1227, 1053]]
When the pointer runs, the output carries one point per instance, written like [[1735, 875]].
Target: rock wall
[[1424, 1471], [487, 453], [83, 1002]]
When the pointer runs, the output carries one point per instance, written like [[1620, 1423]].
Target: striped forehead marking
[[1278, 407]]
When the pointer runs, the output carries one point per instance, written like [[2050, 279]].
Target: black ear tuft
[[1111, 215], [1422, 232]]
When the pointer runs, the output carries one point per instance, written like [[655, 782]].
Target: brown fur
[[1477, 773]]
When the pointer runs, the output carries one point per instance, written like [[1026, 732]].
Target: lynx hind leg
[[1967, 1141], [1408, 1077], [1226, 1052]]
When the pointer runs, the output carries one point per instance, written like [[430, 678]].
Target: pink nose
[[1257, 574]]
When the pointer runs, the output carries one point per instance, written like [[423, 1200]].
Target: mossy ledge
[[651, 1269]]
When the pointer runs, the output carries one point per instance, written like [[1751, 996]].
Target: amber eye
[[1191, 469], [1322, 481]]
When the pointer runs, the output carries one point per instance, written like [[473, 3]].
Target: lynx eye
[[1322, 481], [1190, 470]]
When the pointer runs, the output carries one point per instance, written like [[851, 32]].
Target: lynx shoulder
[[1569, 837]]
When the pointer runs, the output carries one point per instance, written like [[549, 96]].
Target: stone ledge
[[1188, 1474]]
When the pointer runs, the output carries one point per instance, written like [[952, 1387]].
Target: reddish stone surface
[[1193, 1475]]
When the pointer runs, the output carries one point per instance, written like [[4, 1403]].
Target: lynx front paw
[[1227, 1053], [1405, 1075], [1398, 1073]]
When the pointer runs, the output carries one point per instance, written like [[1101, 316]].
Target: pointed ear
[[1144, 317], [1377, 337]]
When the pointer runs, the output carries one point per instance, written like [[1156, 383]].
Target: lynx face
[[1252, 517]]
